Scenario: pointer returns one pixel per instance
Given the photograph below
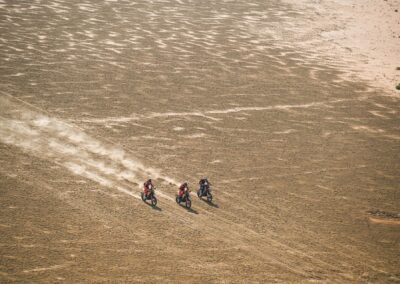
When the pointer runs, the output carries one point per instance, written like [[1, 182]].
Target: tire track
[[111, 167]]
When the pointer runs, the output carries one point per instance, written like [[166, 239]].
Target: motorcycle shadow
[[210, 203], [153, 207], [190, 210]]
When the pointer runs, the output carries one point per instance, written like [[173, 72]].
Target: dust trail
[[50, 138]]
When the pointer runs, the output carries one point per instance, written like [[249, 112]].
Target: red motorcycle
[[150, 196], [185, 198]]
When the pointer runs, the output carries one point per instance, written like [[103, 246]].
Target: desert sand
[[293, 120], [364, 35]]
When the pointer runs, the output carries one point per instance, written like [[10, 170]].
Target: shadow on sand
[[190, 210], [209, 203], [153, 207]]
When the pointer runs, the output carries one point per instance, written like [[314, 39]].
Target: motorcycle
[[150, 196], [185, 198], [205, 192]]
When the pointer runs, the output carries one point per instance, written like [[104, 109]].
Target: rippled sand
[[96, 96]]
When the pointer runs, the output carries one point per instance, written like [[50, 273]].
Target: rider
[[147, 187], [182, 189], [204, 184]]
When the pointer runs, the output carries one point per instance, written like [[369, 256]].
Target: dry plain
[[97, 96]]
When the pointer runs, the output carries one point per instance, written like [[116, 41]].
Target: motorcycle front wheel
[[209, 197], [153, 201], [188, 203]]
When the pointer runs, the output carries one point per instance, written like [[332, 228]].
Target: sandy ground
[[364, 35], [97, 96]]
